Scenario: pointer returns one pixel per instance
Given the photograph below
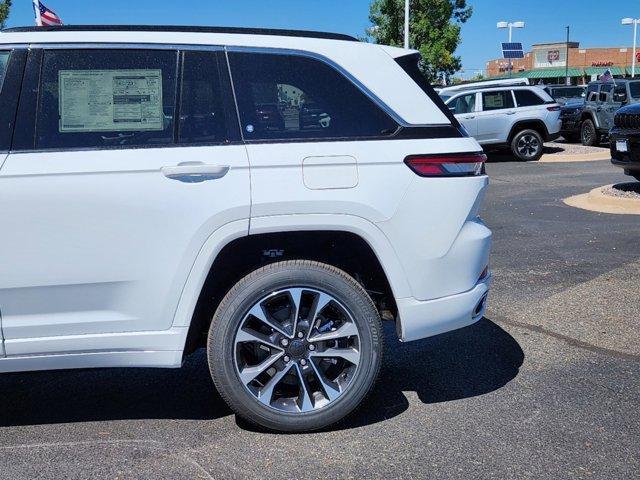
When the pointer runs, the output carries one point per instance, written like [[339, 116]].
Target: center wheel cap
[[297, 348]]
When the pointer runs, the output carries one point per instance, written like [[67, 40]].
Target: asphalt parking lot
[[546, 386]]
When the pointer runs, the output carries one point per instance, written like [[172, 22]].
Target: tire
[[338, 374], [588, 133], [527, 145]]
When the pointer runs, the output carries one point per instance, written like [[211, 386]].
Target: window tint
[[593, 87], [4, 60], [497, 100], [634, 89], [527, 98], [463, 104], [290, 97], [202, 118], [106, 98]]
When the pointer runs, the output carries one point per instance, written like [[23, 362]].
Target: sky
[[545, 20]]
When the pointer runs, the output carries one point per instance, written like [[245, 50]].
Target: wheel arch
[[532, 124], [589, 116], [350, 243]]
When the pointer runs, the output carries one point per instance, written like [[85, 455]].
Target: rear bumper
[[425, 319]]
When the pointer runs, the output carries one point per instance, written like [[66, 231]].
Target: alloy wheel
[[297, 350], [528, 146]]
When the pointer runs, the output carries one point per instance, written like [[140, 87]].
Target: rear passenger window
[[202, 118], [294, 97], [463, 104], [4, 60], [527, 98], [106, 98], [497, 100]]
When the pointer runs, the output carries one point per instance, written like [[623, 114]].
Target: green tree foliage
[[5, 6], [434, 31]]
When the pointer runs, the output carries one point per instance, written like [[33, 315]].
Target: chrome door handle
[[469, 118], [195, 172], [511, 113]]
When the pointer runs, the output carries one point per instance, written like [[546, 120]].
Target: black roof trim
[[185, 29]]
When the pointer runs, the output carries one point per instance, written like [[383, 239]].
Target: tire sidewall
[[588, 123], [255, 287], [516, 139]]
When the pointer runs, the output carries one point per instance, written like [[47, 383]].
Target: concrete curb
[[578, 157], [596, 201]]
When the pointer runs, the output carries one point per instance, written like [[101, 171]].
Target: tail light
[[448, 165], [553, 108]]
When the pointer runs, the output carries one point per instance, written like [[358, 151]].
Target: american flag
[[606, 77], [45, 16]]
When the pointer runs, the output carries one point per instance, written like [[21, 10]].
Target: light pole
[[634, 22], [406, 24], [510, 26]]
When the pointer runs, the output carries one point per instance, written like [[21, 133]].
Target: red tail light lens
[[449, 165], [554, 108]]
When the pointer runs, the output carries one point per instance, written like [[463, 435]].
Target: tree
[[5, 6], [434, 31]]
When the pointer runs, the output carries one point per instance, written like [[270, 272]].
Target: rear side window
[[463, 104], [527, 98], [202, 116], [294, 97], [106, 98], [4, 60], [497, 100]]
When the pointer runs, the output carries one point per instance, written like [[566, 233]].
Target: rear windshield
[[4, 58], [409, 64]]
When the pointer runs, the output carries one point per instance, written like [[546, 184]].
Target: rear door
[[496, 117], [464, 108], [11, 70], [111, 196]]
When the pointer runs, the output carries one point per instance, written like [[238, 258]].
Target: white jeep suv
[[519, 117], [267, 195]]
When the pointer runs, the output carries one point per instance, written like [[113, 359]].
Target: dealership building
[[547, 63]]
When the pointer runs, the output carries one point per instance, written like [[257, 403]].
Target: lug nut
[[312, 347], [286, 359], [300, 334], [303, 362], [284, 342]]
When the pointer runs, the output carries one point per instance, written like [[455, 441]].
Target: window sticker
[[110, 100], [494, 101]]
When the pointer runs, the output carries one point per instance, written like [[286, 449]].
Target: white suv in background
[[519, 117], [269, 196]]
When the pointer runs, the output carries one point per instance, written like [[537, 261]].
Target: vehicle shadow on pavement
[[111, 394], [465, 363]]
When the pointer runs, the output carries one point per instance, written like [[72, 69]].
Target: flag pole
[[36, 10]]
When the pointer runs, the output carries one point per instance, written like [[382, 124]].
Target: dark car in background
[[624, 140], [570, 115], [566, 93]]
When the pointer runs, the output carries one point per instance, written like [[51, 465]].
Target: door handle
[[195, 172], [470, 118], [511, 113]]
